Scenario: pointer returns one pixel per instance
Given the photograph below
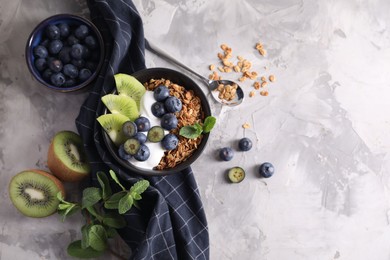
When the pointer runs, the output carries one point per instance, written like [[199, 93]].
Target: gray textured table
[[325, 125]]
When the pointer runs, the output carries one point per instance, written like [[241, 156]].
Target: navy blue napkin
[[171, 223]]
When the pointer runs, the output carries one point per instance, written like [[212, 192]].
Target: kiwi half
[[112, 124], [121, 104], [66, 157], [129, 86], [34, 193]]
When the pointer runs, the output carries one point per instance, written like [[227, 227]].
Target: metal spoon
[[211, 84]]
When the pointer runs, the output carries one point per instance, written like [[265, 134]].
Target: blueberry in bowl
[[162, 149], [65, 52]]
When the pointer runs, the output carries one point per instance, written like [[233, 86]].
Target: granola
[[227, 92], [242, 66], [190, 114]]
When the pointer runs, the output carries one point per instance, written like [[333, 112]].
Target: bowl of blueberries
[[65, 52]]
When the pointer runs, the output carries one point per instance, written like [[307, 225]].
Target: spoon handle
[[153, 48]]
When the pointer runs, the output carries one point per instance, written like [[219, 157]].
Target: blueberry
[[143, 153], [64, 55], [53, 32], [266, 170], [169, 121], [170, 141], [173, 104], [155, 134], [245, 144], [84, 74], [81, 32], [122, 153], [71, 71], [64, 30], [55, 46], [47, 74], [78, 63], [77, 52], [72, 40], [161, 93], [91, 42], [69, 82], [87, 53], [90, 65], [40, 64], [40, 51], [55, 65], [45, 43], [129, 128], [226, 153], [158, 109], [57, 79], [143, 124], [141, 137]]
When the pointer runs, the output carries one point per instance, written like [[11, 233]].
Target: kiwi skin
[[59, 168], [56, 181]]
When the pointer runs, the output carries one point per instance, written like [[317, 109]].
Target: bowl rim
[[180, 167], [41, 25]]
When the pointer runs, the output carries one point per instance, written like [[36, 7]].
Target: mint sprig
[[102, 210], [195, 130]]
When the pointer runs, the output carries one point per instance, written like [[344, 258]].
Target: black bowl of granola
[[195, 108]]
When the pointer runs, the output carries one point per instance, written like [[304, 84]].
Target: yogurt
[[156, 150]]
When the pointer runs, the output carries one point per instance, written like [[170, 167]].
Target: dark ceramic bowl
[[182, 80], [38, 35]]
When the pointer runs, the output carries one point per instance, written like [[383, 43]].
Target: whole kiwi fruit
[[66, 157], [34, 193]]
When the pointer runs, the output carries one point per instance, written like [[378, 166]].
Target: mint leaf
[[191, 131], [71, 210], [114, 220], [104, 183], [111, 232], [75, 250], [125, 203], [92, 210], [209, 123], [115, 178], [85, 236], [136, 196], [61, 198], [113, 201], [139, 187], [63, 206], [91, 196], [97, 237], [65, 210]]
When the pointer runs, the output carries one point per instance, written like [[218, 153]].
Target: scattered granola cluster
[[242, 66], [189, 115], [227, 92]]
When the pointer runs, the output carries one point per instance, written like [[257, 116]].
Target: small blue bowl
[[38, 34]]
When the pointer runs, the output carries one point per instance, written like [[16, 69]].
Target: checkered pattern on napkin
[[171, 223]]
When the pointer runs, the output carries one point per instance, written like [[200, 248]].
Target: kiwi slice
[[66, 157], [34, 193], [129, 86], [131, 146], [155, 134], [236, 174], [112, 124], [121, 104]]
